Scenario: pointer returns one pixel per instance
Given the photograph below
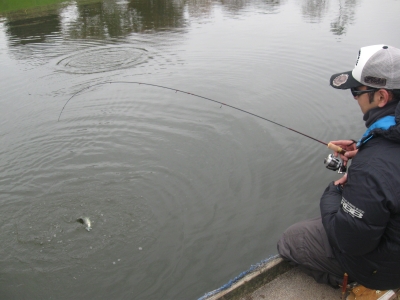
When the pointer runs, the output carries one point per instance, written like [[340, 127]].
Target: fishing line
[[191, 94]]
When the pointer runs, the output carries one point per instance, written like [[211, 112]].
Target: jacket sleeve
[[355, 218]]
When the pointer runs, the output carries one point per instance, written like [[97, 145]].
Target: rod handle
[[336, 148], [344, 285]]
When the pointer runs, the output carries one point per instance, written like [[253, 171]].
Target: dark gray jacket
[[362, 221]]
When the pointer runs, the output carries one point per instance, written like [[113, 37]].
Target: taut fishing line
[[191, 94]]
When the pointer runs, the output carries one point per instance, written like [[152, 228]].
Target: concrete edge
[[254, 280]]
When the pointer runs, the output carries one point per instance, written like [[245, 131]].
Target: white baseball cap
[[377, 66]]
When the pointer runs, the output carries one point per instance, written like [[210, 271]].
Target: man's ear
[[384, 97]]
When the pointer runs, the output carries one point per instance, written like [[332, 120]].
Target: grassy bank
[[13, 5]]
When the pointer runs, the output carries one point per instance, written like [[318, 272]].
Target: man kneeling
[[358, 232]]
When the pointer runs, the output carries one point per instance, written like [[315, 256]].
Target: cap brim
[[344, 81]]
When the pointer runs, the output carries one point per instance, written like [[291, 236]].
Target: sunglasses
[[357, 93]]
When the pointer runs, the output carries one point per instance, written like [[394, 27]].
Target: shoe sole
[[388, 296]]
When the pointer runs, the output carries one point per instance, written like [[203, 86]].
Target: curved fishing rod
[[202, 97]]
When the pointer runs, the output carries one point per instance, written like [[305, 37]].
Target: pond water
[[183, 193]]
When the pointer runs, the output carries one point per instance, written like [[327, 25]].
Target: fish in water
[[85, 221]]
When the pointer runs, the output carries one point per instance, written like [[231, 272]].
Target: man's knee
[[291, 243], [302, 241]]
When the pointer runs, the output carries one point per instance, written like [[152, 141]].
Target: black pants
[[306, 245]]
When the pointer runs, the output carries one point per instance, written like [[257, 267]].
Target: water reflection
[[267, 6], [110, 19], [114, 19], [314, 10], [345, 17], [33, 30], [95, 19]]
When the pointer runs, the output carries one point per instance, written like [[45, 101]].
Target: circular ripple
[[103, 59]]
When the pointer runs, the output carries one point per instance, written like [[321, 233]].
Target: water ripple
[[103, 59]]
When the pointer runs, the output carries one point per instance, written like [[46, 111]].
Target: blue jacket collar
[[384, 123]]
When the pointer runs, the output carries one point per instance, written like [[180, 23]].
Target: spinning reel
[[334, 164]]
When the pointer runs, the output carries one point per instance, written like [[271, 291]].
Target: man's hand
[[349, 146], [342, 181]]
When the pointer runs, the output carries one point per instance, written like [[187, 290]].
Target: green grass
[[15, 5]]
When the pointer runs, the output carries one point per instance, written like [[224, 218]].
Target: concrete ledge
[[254, 280], [294, 285]]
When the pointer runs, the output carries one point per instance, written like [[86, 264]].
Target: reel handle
[[336, 148]]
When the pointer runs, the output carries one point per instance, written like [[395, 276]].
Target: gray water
[[183, 193]]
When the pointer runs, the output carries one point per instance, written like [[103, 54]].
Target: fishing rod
[[329, 145]]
